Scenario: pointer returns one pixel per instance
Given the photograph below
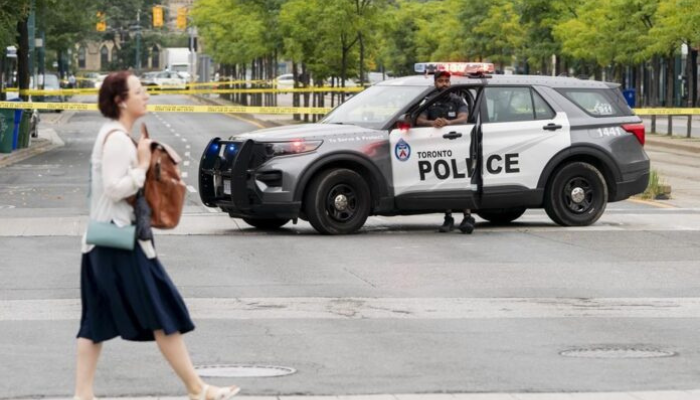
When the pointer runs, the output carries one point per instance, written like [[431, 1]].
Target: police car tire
[[316, 203], [501, 215], [266, 223], [558, 204]]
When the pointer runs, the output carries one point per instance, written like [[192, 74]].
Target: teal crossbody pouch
[[109, 235]]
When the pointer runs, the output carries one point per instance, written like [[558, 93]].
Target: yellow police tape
[[171, 108], [667, 111], [260, 110], [172, 90]]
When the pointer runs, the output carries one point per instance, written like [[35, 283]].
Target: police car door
[[431, 166], [521, 133]]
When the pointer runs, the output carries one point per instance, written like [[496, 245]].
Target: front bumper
[[227, 180]]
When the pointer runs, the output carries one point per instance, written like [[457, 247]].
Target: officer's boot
[[467, 225], [448, 225]]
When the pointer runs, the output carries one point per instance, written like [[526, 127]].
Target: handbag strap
[[104, 141]]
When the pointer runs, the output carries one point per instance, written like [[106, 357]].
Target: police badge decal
[[402, 150]]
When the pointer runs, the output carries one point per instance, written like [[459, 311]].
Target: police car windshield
[[375, 106]]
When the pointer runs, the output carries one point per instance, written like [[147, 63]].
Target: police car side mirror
[[403, 123]]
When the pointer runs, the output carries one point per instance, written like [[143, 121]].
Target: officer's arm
[[423, 120], [460, 120]]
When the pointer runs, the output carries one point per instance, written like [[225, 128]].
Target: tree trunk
[[3, 86], [638, 85], [343, 72], [670, 69], [295, 96], [654, 79], [305, 74], [691, 76], [23, 57], [362, 59]]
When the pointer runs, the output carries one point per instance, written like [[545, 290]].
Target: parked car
[[149, 78], [170, 80]]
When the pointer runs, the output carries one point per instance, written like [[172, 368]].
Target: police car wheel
[[576, 195], [337, 202], [501, 215], [266, 223]]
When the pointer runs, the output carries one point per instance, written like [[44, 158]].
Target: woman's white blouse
[[115, 175]]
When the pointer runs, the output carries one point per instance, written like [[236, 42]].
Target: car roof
[[503, 80]]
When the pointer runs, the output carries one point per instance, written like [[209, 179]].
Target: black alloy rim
[[578, 207], [348, 212]]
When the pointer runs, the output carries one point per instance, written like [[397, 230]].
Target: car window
[[598, 102], [509, 104], [542, 109], [375, 106], [163, 75]]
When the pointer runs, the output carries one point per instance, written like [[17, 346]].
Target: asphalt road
[[397, 308]]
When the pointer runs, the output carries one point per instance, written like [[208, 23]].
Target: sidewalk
[[691, 145], [47, 140]]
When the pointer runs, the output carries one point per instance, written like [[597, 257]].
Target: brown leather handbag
[[164, 189]]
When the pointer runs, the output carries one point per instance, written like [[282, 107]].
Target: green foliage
[[11, 11], [656, 189]]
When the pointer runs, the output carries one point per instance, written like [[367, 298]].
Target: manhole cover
[[243, 371], [617, 352]]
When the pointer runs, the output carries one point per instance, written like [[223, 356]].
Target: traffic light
[[182, 18], [101, 22], [157, 16]]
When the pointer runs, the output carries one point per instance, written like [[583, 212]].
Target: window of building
[[104, 58], [155, 58], [81, 57]]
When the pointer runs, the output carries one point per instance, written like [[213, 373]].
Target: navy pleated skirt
[[126, 294]]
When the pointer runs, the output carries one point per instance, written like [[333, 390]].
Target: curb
[[47, 141], [692, 147], [41, 146]]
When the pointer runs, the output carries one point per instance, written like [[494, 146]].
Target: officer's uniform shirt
[[448, 108]]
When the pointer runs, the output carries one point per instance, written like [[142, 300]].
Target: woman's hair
[[114, 90]]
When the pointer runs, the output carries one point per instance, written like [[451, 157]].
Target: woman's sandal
[[224, 393]]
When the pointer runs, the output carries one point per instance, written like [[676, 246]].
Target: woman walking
[[127, 293]]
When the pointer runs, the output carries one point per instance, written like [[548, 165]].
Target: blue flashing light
[[214, 148], [231, 148]]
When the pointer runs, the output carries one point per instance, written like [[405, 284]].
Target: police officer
[[448, 110]]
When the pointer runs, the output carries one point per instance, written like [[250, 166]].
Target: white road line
[[187, 147], [191, 189], [387, 308], [176, 134], [167, 124], [184, 140], [186, 163], [187, 154], [184, 174], [646, 395]]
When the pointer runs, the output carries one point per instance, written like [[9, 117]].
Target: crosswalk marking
[[387, 308]]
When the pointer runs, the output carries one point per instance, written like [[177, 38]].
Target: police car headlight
[[275, 149]]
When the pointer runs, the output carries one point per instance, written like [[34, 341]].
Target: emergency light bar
[[456, 68]]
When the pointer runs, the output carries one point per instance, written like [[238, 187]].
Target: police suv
[[569, 146]]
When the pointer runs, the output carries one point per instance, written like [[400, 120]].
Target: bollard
[[653, 124], [670, 125], [690, 125]]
